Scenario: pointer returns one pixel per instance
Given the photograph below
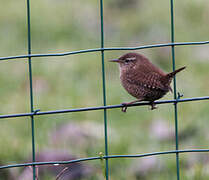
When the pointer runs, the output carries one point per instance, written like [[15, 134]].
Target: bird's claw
[[124, 108], [153, 106]]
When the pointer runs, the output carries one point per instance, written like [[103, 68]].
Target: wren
[[142, 79]]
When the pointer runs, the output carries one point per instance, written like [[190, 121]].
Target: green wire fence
[[102, 49]]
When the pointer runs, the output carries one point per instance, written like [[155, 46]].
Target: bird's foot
[[153, 106], [124, 108]]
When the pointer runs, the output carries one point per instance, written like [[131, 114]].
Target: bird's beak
[[114, 60]]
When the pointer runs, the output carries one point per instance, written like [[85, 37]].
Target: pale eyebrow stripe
[[131, 58]]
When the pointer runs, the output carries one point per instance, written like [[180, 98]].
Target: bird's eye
[[127, 60]]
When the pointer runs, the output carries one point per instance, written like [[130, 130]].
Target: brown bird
[[142, 79]]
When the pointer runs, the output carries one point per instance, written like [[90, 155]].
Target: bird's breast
[[133, 89]]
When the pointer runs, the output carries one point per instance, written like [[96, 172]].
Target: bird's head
[[129, 60]]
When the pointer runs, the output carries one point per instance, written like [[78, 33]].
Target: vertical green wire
[[31, 87], [104, 89], [174, 87]]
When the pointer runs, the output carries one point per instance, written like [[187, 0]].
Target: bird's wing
[[151, 80]]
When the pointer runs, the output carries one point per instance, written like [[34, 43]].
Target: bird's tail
[[170, 75]]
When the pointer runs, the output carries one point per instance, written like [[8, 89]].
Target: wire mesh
[[104, 108]]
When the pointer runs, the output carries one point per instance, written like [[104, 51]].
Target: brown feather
[[142, 79]]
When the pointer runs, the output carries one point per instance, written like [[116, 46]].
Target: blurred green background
[[75, 81]]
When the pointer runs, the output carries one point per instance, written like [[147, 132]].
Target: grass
[[75, 81]]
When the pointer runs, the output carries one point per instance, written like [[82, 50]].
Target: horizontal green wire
[[55, 163], [38, 112], [106, 49]]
